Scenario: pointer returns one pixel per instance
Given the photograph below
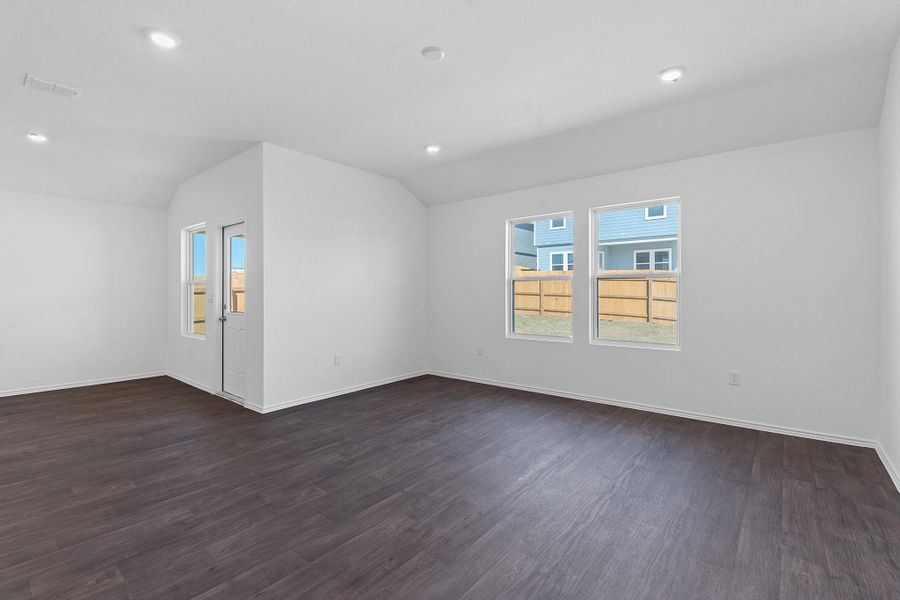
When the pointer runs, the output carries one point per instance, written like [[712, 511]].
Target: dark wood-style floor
[[426, 489]]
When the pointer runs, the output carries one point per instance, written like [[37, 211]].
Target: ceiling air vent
[[67, 90]]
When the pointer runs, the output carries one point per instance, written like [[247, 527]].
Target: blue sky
[[238, 253]]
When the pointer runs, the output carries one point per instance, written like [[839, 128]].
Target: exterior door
[[234, 310]]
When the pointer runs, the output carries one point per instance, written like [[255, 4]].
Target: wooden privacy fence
[[200, 309], [649, 298], [646, 296]]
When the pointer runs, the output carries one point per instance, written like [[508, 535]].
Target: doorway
[[234, 310]]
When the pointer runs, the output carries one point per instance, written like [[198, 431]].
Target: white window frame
[[188, 282], [653, 260], [511, 278], [647, 216], [601, 262], [675, 273], [565, 221], [565, 263]]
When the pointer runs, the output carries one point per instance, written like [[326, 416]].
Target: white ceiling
[[343, 79]]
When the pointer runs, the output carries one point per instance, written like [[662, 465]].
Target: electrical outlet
[[479, 351], [337, 360], [734, 378]]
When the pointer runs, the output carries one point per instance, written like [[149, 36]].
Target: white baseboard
[[892, 470], [889, 465], [254, 407], [297, 401], [78, 384], [804, 433], [333, 393], [200, 386]]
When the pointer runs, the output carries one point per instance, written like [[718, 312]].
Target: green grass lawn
[[613, 331]]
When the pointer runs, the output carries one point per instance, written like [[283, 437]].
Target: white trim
[[552, 227], [230, 398], [637, 204], [888, 465], [652, 263], [640, 241], [78, 384], [687, 414], [542, 217], [332, 394], [565, 262], [188, 282], [541, 338], [647, 216], [511, 278], [200, 386], [674, 271], [642, 345], [892, 470]]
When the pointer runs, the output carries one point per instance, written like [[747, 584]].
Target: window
[[655, 212], [642, 261], [539, 278], [636, 276], [558, 223], [561, 261], [653, 260], [194, 280]]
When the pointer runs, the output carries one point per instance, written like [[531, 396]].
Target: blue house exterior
[[526, 253], [641, 238], [553, 241]]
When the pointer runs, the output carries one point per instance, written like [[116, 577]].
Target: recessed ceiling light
[[672, 74], [163, 39], [34, 136], [432, 53], [432, 148]]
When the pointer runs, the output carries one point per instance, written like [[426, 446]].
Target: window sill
[[539, 338], [193, 336], [643, 346]]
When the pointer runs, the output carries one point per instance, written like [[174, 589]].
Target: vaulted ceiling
[[529, 92]]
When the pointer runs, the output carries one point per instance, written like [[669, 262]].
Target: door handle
[[223, 318]]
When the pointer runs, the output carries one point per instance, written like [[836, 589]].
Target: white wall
[[81, 297], [780, 282], [228, 193], [889, 433], [345, 274]]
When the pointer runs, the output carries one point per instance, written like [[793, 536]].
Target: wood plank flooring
[[426, 489]]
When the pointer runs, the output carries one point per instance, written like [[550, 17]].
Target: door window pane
[[237, 250]]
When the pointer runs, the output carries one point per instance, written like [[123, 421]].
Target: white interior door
[[234, 310]]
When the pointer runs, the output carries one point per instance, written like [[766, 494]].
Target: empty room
[[457, 299]]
